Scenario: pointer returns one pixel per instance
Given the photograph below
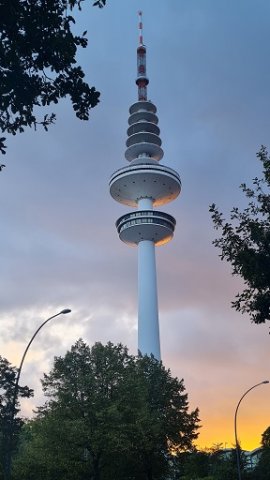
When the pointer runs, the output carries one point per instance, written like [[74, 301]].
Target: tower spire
[[142, 80], [145, 184]]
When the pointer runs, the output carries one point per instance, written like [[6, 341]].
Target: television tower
[[145, 184]]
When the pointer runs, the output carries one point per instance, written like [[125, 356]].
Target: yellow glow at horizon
[[222, 432]]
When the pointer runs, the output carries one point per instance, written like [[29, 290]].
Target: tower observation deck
[[145, 184]]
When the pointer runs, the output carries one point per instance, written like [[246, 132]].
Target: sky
[[209, 70]]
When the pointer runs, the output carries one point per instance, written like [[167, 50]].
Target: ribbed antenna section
[[142, 80], [140, 28]]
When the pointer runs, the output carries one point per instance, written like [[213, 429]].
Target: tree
[[262, 470], [8, 375], [191, 465], [108, 415], [163, 424], [245, 243], [214, 463], [266, 438], [223, 465], [38, 63]]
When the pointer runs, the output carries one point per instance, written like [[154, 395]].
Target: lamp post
[[235, 426], [7, 470]]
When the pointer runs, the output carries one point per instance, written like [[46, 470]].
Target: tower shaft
[[148, 318], [148, 321]]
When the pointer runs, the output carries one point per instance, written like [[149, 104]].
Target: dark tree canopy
[[8, 376], [109, 415], [262, 470], [38, 63], [215, 463], [245, 243], [266, 438]]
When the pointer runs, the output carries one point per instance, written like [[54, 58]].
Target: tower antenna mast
[[142, 80], [140, 28]]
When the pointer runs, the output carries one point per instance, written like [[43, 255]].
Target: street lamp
[[7, 473], [235, 426]]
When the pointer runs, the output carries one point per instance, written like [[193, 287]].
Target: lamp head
[[265, 381], [66, 310]]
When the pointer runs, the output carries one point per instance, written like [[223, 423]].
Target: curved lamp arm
[[235, 426], [7, 469], [66, 310]]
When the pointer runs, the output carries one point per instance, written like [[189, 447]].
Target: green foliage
[[38, 63], [223, 466], [211, 464], [245, 243], [266, 438], [8, 375], [193, 465], [262, 470], [108, 415]]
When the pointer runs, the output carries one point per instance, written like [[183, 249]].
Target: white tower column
[[145, 204], [148, 324], [145, 185]]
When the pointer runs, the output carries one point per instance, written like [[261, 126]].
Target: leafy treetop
[[108, 415], [266, 438], [38, 63], [8, 375], [245, 243]]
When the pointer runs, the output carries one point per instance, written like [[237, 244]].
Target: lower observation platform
[[145, 180], [152, 225]]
